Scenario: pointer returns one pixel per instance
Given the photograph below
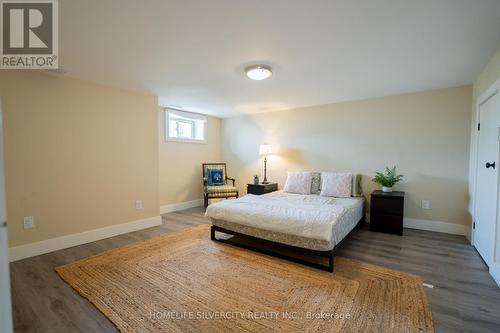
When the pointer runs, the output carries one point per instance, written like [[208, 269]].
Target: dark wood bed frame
[[323, 254]]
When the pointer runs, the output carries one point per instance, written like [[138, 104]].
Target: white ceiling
[[191, 53]]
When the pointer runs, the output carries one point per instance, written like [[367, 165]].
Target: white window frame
[[193, 126], [196, 120]]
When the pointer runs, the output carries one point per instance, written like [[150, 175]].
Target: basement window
[[185, 126]]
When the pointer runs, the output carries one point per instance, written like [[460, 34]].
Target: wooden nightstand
[[386, 212], [259, 189]]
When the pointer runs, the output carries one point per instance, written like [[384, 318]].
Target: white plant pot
[[386, 189]]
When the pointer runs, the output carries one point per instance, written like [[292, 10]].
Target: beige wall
[[425, 134], [77, 155], [180, 163]]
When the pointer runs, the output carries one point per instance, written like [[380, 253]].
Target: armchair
[[224, 190]]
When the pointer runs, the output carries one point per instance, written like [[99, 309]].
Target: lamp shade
[[265, 149]]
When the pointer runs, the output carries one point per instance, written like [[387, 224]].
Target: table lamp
[[265, 149]]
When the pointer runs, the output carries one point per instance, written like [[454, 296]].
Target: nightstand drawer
[[389, 206], [259, 189], [386, 223], [386, 211]]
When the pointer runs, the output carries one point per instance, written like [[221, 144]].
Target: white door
[[5, 306], [487, 177]]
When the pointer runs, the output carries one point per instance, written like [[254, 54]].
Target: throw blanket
[[308, 216]]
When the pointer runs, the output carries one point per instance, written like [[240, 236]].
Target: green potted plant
[[387, 179]]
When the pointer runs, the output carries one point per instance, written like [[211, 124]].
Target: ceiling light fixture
[[258, 72]]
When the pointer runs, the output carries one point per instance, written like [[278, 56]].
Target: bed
[[305, 223]]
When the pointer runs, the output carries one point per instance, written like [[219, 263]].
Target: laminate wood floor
[[464, 299]]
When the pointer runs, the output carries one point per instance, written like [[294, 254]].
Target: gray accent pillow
[[316, 183], [357, 191]]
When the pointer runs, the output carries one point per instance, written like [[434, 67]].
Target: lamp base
[[265, 171]]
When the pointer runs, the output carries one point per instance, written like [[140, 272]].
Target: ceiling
[[191, 53]]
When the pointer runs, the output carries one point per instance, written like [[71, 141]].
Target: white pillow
[[334, 184], [298, 182]]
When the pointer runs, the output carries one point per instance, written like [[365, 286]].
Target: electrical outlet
[[138, 204], [29, 222], [426, 204]]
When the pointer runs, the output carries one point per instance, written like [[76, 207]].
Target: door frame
[[6, 324], [483, 98]]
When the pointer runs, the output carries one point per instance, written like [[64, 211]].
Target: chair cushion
[[207, 166], [221, 190], [215, 177]]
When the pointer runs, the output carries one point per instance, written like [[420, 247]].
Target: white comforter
[[310, 216]]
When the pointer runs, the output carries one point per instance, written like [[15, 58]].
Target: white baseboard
[[180, 206], [63, 242], [437, 226], [495, 272]]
